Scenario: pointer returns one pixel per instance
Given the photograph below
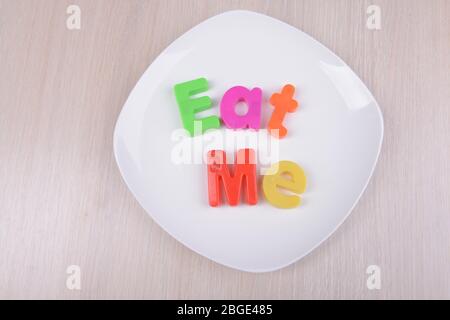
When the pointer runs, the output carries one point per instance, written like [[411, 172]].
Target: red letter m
[[245, 166]]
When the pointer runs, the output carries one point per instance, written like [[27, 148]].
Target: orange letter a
[[245, 166]]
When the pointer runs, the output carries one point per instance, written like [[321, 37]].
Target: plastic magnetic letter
[[245, 167], [295, 182], [252, 119], [188, 106], [283, 102]]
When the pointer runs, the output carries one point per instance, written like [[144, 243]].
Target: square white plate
[[335, 136]]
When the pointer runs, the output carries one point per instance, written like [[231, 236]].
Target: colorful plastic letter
[[294, 182], [283, 102], [245, 167], [190, 106], [231, 98]]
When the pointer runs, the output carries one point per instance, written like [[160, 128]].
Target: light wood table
[[63, 202]]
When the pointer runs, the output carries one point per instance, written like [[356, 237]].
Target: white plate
[[335, 135]]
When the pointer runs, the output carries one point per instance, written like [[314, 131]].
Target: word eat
[[282, 102], [281, 186]]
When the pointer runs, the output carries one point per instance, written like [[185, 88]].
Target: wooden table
[[63, 202]]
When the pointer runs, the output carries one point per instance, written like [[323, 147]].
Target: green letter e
[[190, 106]]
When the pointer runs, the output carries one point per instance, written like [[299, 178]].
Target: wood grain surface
[[63, 202]]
